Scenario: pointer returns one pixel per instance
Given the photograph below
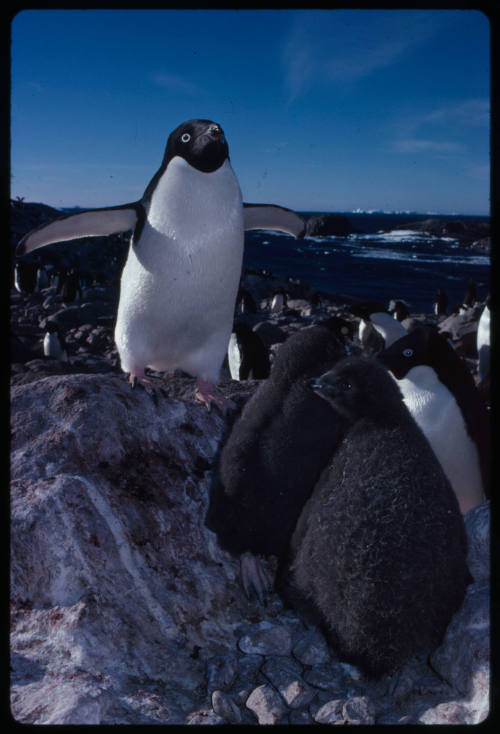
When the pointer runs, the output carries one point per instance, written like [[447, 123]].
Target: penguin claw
[[207, 394], [254, 577]]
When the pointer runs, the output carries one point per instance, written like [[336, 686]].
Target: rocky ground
[[124, 607]]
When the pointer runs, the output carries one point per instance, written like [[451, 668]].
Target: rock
[[326, 677], [324, 225], [311, 648], [225, 707], [358, 710], [463, 659], [266, 639], [286, 677], [329, 713], [266, 704], [198, 718], [113, 571], [477, 525], [221, 672]]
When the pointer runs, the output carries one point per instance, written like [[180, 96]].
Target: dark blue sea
[[375, 265]]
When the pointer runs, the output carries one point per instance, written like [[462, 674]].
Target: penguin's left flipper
[[270, 216], [254, 576], [91, 223]]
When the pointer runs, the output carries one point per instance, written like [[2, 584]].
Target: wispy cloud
[[176, 83], [416, 145], [355, 45], [437, 130]]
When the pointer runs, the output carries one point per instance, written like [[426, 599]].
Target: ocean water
[[399, 263]]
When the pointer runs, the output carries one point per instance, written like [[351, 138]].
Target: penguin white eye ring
[[407, 352], [186, 138]]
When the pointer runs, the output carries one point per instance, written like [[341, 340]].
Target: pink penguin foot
[[147, 383], [207, 393]]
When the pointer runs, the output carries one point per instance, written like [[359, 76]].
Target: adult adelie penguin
[[378, 557], [440, 394], [246, 354], [179, 284], [276, 450], [483, 339], [378, 328], [53, 343]]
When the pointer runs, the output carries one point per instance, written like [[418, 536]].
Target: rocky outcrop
[[324, 225], [467, 231], [125, 609]]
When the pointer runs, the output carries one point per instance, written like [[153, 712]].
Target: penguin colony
[[331, 466]]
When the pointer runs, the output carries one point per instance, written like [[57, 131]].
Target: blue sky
[[326, 110]]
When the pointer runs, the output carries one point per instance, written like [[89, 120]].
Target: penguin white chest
[[436, 412], [180, 281]]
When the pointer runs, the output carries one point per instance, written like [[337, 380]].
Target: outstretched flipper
[[91, 223], [270, 216]]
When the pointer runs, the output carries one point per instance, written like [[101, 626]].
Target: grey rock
[[207, 717], [359, 710], [463, 659], [267, 639], [286, 676], [477, 525], [224, 706], [329, 712], [266, 704], [326, 677], [311, 648], [221, 672]]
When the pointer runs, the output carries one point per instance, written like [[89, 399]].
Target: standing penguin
[[440, 394], [399, 309], [247, 356], [279, 300], [180, 280], [378, 557], [53, 343], [377, 328], [441, 303], [276, 450], [483, 342]]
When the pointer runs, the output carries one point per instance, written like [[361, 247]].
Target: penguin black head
[[358, 387], [200, 142], [422, 346]]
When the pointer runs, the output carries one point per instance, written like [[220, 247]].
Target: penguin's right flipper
[[91, 223]]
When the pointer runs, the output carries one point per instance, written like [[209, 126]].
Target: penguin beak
[[215, 132], [314, 383]]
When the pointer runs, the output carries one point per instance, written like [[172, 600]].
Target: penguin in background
[[247, 356], [440, 305], [42, 279], [279, 300], [378, 555], [70, 289], [245, 303], [440, 394], [53, 343], [184, 261], [25, 277], [275, 452], [483, 342], [378, 329], [470, 298], [399, 309]]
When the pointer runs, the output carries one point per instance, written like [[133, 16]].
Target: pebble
[[329, 713], [267, 640], [224, 706], [267, 704], [359, 710], [311, 648], [286, 676], [221, 672]]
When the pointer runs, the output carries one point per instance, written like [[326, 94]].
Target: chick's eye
[[345, 386], [407, 352], [186, 138]]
